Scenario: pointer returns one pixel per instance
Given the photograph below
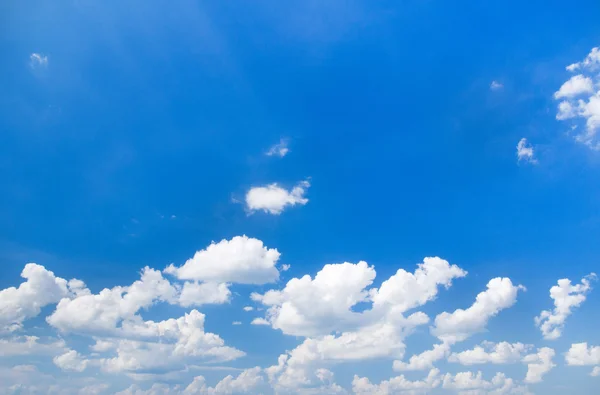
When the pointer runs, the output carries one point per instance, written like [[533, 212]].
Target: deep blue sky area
[[135, 142]]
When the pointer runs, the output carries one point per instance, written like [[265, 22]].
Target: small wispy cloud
[[495, 85], [525, 151], [37, 60], [236, 323], [280, 149]]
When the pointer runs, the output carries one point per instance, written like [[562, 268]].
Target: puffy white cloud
[[241, 260], [581, 355], [566, 297], [71, 361], [397, 385], [474, 383], [280, 149], [424, 360], [196, 294], [461, 324], [495, 85], [575, 86], [312, 307], [525, 151], [42, 288], [488, 352], [102, 313], [245, 383], [538, 364], [581, 94], [30, 345], [319, 306], [260, 321], [38, 60], [273, 199]]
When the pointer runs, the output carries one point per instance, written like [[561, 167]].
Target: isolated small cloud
[[525, 151], [280, 149], [495, 85], [38, 60], [273, 199], [236, 323], [248, 308]]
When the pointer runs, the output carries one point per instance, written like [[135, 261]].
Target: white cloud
[[538, 364], [273, 199], [575, 86], [71, 361], [461, 324], [236, 323], [30, 345], [248, 308], [495, 85], [424, 360], [38, 60], [474, 384], [499, 353], [241, 260], [197, 294], [42, 288], [581, 355], [280, 149], [260, 321], [525, 151], [581, 94], [102, 313], [566, 297], [397, 385]]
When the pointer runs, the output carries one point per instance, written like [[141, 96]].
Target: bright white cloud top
[[580, 98], [273, 199]]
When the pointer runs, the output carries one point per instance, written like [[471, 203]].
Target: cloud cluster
[[339, 316], [580, 98]]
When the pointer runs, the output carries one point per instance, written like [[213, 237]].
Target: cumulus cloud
[[395, 385], [280, 149], [273, 199], [71, 361], [30, 345], [488, 352], [580, 97], [566, 297], [525, 151], [42, 288], [241, 260], [424, 360], [580, 354], [461, 324], [474, 383], [196, 294], [538, 364]]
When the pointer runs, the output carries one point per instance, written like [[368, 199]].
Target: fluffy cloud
[[566, 297], [102, 313], [538, 364], [397, 385], [424, 360], [474, 383], [581, 355], [245, 383], [488, 352], [576, 86], [273, 199], [280, 149], [42, 288], [525, 151], [196, 294], [241, 260], [30, 345], [581, 98], [461, 324], [71, 361]]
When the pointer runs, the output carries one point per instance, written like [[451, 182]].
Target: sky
[[300, 197]]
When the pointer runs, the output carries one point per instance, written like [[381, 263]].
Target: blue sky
[[134, 134]]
